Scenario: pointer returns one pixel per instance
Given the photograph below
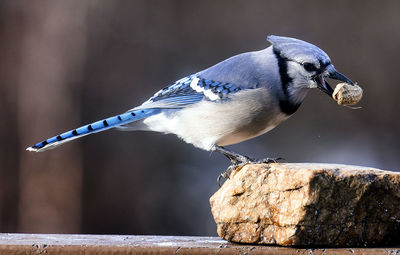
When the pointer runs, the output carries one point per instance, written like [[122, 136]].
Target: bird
[[232, 101]]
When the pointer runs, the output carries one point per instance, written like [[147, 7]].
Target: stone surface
[[309, 204]]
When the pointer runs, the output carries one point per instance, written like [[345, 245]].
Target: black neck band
[[285, 103]]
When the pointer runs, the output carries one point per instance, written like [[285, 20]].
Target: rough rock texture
[[309, 204]]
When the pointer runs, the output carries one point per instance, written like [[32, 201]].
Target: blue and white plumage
[[237, 99]]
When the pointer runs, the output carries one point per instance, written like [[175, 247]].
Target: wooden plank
[[130, 244]]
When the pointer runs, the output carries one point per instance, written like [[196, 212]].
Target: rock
[[309, 204]]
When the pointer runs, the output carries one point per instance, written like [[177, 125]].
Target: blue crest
[[298, 50]]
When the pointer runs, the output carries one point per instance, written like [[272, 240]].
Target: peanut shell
[[347, 94]]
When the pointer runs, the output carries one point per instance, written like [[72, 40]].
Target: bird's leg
[[234, 157], [236, 160], [239, 160]]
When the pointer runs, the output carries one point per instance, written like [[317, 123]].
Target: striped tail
[[94, 127]]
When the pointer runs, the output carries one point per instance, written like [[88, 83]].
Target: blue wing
[[190, 90]]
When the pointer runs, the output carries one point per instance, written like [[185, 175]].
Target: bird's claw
[[239, 160], [225, 174], [270, 160], [243, 161]]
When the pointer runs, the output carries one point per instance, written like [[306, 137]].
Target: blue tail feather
[[94, 127]]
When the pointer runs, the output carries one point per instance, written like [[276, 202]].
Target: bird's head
[[303, 66]]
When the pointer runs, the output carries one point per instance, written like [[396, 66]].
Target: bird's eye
[[309, 67]]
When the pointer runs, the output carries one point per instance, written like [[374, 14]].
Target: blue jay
[[237, 99]]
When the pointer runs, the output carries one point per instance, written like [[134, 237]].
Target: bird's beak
[[332, 73], [324, 85]]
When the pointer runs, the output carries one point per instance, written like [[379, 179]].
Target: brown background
[[67, 63]]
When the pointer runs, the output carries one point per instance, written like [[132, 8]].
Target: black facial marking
[[44, 143], [119, 117], [59, 138], [105, 123], [74, 132], [288, 107], [310, 67], [323, 65], [285, 104], [285, 79], [133, 114], [90, 128]]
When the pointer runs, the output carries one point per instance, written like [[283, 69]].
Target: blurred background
[[68, 63]]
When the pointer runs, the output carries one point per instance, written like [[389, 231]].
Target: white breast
[[247, 114]]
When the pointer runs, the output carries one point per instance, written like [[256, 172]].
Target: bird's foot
[[225, 174], [239, 160], [235, 158], [270, 160]]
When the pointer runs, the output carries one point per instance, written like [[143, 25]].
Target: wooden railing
[[129, 244]]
